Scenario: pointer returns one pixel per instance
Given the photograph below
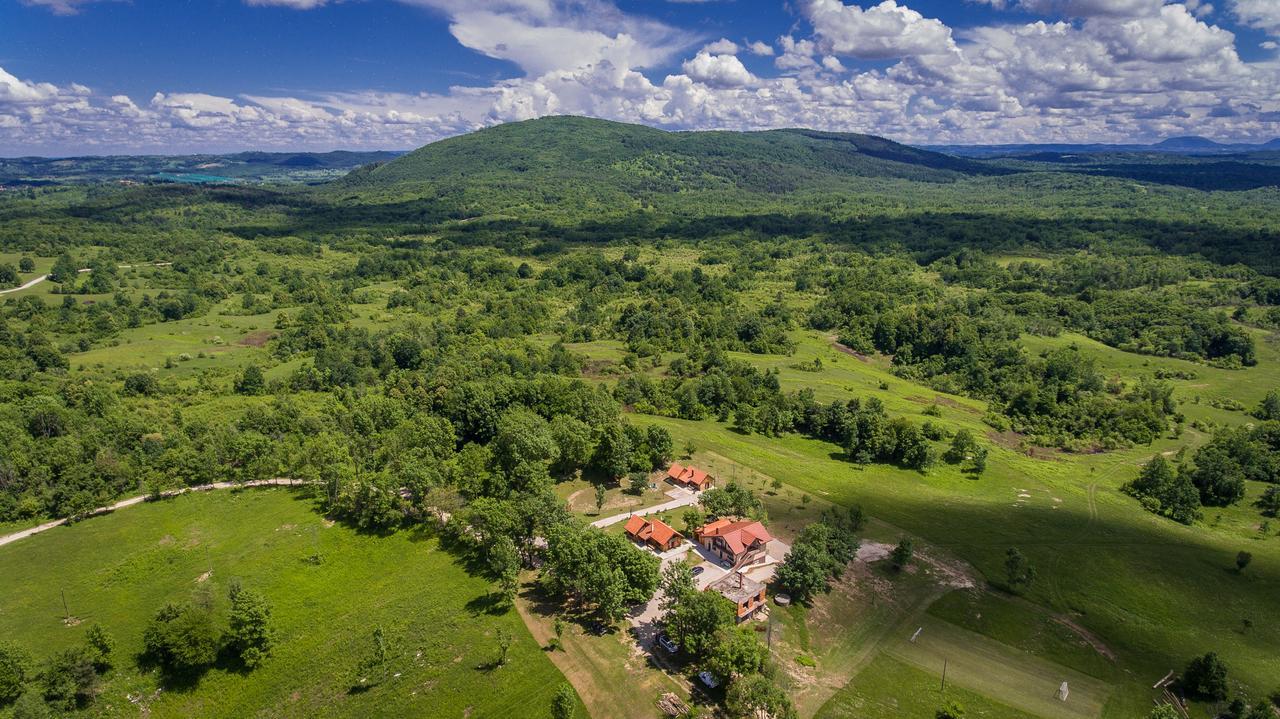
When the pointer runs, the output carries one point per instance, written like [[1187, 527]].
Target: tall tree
[[250, 634]]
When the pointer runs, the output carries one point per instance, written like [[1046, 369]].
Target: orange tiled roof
[[739, 534], [661, 532], [688, 475], [635, 524], [654, 530]]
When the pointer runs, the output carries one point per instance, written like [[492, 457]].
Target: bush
[[182, 638], [15, 667], [251, 381], [1205, 678], [249, 635], [70, 679], [902, 553], [563, 703], [141, 384]]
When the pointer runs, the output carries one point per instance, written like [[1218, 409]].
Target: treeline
[[969, 346], [1149, 304], [1215, 475]]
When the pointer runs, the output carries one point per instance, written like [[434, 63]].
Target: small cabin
[[653, 533], [689, 477]]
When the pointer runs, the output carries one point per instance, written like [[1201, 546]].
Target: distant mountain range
[[587, 164], [1175, 145], [242, 167]]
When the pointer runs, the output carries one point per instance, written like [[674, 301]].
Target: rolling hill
[[537, 158]]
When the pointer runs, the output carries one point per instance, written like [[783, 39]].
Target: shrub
[[182, 638], [15, 666], [141, 384], [1205, 678]]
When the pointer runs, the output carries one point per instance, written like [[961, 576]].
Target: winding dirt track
[[37, 280]]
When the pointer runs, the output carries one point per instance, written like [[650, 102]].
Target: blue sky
[[97, 76]]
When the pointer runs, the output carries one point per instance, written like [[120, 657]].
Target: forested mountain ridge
[[634, 159]]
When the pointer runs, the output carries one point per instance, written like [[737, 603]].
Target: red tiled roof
[[661, 532], [738, 534], [635, 524], [688, 475], [654, 530]]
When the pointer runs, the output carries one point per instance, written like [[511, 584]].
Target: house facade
[[690, 477], [739, 542], [653, 533]]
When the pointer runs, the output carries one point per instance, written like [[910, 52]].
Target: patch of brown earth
[[597, 368], [257, 338], [1018, 442], [1088, 636], [849, 351]]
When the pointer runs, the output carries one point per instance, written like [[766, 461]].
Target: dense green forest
[[424, 337]]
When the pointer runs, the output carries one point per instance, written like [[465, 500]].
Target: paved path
[[8, 538], [682, 498], [37, 280]]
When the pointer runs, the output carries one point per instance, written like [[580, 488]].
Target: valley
[[1015, 425]]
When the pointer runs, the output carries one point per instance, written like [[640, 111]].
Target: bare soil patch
[[1088, 636], [1018, 442], [849, 351], [597, 368], [257, 338]]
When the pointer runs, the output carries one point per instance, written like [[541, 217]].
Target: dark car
[[697, 570], [665, 642]]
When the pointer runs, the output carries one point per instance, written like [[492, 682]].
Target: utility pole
[[944, 675], [66, 613]]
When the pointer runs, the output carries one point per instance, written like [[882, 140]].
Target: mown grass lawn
[[118, 570], [892, 689]]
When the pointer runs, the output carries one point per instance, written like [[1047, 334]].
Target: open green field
[[118, 570], [477, 331], [1156, 593], [890, 688]]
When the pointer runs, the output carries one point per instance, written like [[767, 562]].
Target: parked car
[[708, 679], [697, 570], [665, 642]]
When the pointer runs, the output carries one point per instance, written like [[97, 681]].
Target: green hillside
[[1062, 390], [604, 160]]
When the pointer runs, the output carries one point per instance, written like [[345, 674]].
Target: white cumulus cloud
[[883, 31], [722, 70], [1263, 14]]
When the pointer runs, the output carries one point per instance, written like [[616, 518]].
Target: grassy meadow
[[118, 570], [1149, 592]]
